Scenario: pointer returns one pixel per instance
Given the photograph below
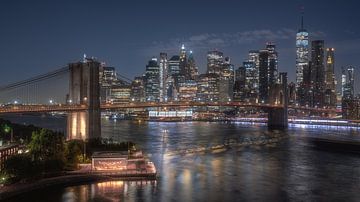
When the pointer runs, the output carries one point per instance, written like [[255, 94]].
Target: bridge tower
[[278, 116], [84, 90]]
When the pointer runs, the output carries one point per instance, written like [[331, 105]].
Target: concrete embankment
[[7, 192]]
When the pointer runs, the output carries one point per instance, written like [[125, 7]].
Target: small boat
[[116, 117]]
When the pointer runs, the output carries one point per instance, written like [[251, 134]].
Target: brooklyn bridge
[[83, 107]]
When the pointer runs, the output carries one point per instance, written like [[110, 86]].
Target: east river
[[289, 167]]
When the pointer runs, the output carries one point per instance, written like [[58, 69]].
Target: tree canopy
[[46, 144]]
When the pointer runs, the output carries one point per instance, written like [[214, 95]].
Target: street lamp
[[8, 129], [84, 157]]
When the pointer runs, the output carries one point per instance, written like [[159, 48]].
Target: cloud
[[216, 41], [318, 34], [264, 34], [228, 39], [207, 41], [201, 37]]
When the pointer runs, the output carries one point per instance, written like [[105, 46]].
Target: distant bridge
[[145, 105]]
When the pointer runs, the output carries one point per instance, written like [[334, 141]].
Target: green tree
[[74, 152], [19, 167], [47, 147]]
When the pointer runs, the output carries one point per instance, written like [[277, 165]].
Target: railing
[[188, 104], [41, 108], [125, 173], [69, 108]]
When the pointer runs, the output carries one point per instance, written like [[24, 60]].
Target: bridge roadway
[[73, 108]]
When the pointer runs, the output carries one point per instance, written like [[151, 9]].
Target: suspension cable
[[35, 79]]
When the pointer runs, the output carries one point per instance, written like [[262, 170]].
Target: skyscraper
[[226, 86], [263, 76], [152, 80], [253, 74], [349, 104], [137, 90], [254, 57], [108, 78], [171, 91], [292, 93], [239, 86], [304, 95], [273, 63], [330, 85], [215, 61], [268, 65], [174, 65], [121, 94], [347, 82], [226, 81], [208, 88], [317, 73], [192, 70], [163, 71], [251, 82], [330, 66], [302, 53], [187, 91], [183, 61]]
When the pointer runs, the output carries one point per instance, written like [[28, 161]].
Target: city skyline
[[235, 37]]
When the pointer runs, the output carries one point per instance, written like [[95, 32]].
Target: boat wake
[[231, 143]]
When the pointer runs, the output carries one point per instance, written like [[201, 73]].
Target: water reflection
[[110, 191], [287, 169]]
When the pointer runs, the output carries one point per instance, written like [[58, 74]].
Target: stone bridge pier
[[278, 116], [84, 90]]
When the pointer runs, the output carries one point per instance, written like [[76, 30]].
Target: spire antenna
[[302, 8]]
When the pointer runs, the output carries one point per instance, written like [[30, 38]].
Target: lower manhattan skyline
[[43, 44]]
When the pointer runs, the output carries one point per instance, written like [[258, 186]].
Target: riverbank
[[14, 190], [295, 122]]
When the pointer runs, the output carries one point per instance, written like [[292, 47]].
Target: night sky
[[40, 36]]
